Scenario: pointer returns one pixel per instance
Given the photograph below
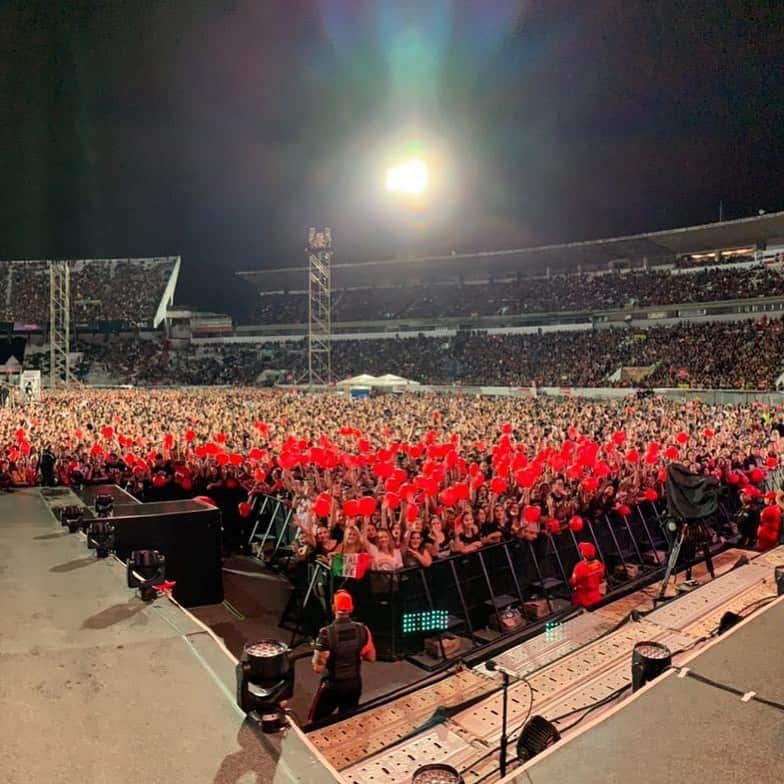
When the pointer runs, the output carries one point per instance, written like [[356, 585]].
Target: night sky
[[221, 129]]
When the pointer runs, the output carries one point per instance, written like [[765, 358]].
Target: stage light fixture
[[728, 620], [145, 570], [100, 537], [104, 505], [537, 735], [436, 773], [778, 574], [265, 680], [649, 660], [72, 517]]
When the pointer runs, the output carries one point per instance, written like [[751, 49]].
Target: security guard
[[340, 649], [587, 577]]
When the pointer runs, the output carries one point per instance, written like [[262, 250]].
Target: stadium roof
[[657, 247]]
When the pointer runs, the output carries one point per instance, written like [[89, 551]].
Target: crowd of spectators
[[588, 292], [721, 355], [406, 479], [127, 290]]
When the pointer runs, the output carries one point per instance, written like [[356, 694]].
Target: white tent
[[386, 381]]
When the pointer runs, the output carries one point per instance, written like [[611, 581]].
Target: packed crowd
[[404, 479], [127, 290], [588, 292], [716, 355]]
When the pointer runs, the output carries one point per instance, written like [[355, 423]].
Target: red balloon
[[412, 513], [222, 459], [576, 524], [498, 484], [391, 500], [671, 453], [682, 437], [220, 438], [351, 508], [190, 435], [651, 495], [478, 481], [506, 428], [552, 526], [619, 437], [448, 497], [462, 491], [168, 441], [255, 453], [623, 510], [632, 456], [244, 508], [590, 483], [367, 505], [531, 514], [107, 432], [756, 475], [236, 459], [159, 480], [322, 505], [709, 433], [772, 462]]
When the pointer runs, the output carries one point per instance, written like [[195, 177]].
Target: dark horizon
[[221, 131]]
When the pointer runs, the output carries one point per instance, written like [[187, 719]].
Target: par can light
[[436, 774], [649, 660], [537, 735]]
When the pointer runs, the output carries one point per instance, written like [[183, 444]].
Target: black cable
[[609, 698]]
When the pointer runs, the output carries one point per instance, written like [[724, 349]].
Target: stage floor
[[97, 686]]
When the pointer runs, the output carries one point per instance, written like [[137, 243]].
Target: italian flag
[[351, 565]]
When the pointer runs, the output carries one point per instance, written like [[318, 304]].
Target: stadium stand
[[126, 290], [597, 291]]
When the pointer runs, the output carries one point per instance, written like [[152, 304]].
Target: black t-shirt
[[489, 528], [466, 539]]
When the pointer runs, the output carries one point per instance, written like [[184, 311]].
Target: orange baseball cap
[[343, 602]]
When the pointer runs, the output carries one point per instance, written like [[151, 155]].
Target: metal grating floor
[[566, 681], [552, 644], [686, 610], [771, 559], [360, 736], [397, 765], [569, 667]]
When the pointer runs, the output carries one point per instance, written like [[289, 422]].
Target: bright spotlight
[[410, 177]]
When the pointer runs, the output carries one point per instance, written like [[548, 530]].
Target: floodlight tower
[[59, 323], [320, 253]]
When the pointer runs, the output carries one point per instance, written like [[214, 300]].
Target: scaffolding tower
[[320, 254], [59, 323]]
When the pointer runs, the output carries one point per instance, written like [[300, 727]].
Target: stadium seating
[[127, 290], [531, 295]]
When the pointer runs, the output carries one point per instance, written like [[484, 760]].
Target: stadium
[[472, 517]]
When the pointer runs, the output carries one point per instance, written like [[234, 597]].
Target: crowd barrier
[[473, 589]]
